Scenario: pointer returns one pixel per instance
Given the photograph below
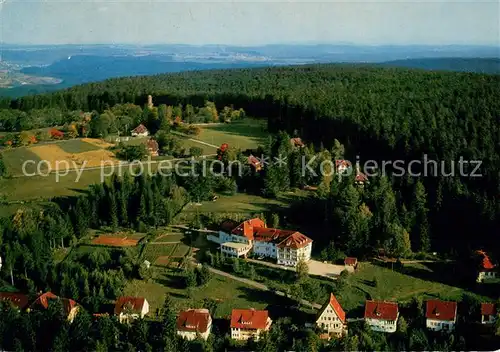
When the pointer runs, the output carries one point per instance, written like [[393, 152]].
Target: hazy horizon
[[236, 23]]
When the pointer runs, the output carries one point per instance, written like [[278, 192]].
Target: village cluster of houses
[[287, 247], [331, 321]]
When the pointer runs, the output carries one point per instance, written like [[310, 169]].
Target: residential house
[[440, 315], [249, 323], [140, 131], [360, 179], [342, 166], [152, 147], [381, 315], [255, 163], [70, 307], [489, 314], [194, 322], [331, 318], [18, 300], [351, 262], [287, 247], [297, 142], [487, 270], [130, 308]]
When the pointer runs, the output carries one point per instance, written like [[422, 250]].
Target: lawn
[[229, 294], [153, 251], [244, 134], [15, 157], [75, 146], [391, 285]]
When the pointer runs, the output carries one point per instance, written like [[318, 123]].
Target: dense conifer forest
[[376, 113]]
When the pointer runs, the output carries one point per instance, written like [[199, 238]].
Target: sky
[[399, 22]]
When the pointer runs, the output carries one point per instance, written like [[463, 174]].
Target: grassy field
[[392, 285], [228, 294], [15, 157], [77, 146], [243, 134]]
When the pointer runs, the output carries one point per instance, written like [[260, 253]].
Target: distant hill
[[479, 65]]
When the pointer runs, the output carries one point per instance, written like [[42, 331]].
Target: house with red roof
[[249, 323], [140, 131], [381, 315], [152, 147], [351, 262], [288, 247], [130, 308], [331, 318], [489, 314], [297, 142], [192, 323], [440, 315], [487, 269], [255, 163], [17, 300], [70, 307]]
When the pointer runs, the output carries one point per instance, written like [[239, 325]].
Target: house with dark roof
[[19, 301], [288, 247], [331, 318], [192, 323], [130, 308], [70, 307], [487, 269], [440, 315], [140, 131], [489, 314], [249, 323], [381, 315]]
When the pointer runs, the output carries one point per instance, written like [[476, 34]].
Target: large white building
[[287, 247], [331, 318], [440, 315], [382, 316], [192, 323]]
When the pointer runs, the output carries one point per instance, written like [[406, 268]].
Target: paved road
[[318, 268]]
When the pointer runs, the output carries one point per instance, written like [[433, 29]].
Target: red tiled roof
[[195, 320], [152, 145], [297, 142], [441, 310], [295, 240], [350, 261], [336, 307], [253, 161], [381, 310], [249, 318], [264, 234], [360, 177], [488, 309], [134, 304], [17, 299], [140, 129], [43, 302], [246, 228], [486, 263], [343, 163]]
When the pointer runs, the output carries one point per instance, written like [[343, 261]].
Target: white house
[[287, 247], [331, 318], [489, 313], [130, 308], [440, 315], [140, 131], [382, 316], [249, 323], [194, 322]]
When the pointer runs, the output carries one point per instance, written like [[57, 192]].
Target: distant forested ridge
[[377, 113], [479, 65]]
